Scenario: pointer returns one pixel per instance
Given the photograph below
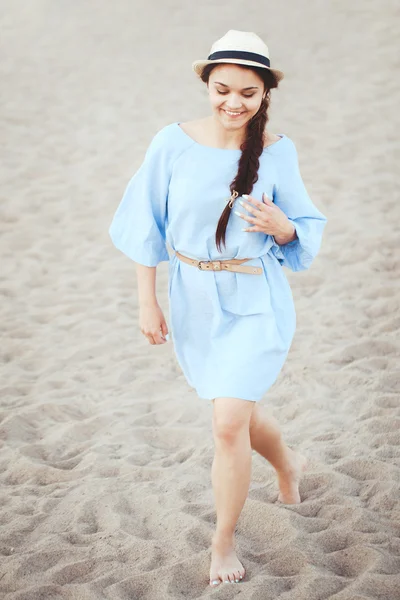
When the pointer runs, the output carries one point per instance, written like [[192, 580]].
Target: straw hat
[[238, 47]]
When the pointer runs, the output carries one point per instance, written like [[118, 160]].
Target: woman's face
[[234, 90]]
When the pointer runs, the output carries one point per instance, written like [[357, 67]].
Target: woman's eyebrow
[[252, 87]]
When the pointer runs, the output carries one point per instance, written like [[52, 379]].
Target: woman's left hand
[[268, 218]]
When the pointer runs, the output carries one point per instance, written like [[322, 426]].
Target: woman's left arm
[[292, 198], [291, 219]]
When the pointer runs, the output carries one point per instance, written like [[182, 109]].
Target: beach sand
[[105, 452]]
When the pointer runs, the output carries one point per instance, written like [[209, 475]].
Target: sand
[[105, 457]]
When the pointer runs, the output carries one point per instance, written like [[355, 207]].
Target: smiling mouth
[[232, 114]]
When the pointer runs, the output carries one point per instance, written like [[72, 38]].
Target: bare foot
[[289, 479], [225, 565]]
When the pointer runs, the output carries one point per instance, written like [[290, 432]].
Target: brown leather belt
[[232, 264]]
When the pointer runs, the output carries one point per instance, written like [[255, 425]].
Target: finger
[[155, 338], [266, 200], [251, 209], [158, 339], [255, 206], [150, 336], [164, 331], [245, 217], [254, 228], [164, 328], [248, 197], [253, 201]]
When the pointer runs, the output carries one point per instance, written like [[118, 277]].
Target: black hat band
[[253, 56]]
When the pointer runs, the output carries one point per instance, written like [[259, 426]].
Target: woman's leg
[[266, 439], [231, 471]]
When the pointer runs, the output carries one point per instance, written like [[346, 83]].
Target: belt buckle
[[199, 265]]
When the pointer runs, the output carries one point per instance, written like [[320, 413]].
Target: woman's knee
[[261, 421], [231, 419], [256, 418]]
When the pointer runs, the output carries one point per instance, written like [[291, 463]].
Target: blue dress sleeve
[[292, 198], [138, 226]]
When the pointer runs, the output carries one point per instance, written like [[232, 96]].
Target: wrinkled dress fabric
[[231, 331]]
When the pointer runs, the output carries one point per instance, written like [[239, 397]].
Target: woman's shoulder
[[169, 139], [169, 135], [278, 144], [270, 138]]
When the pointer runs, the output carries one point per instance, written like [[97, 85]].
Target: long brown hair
[[251, 147]]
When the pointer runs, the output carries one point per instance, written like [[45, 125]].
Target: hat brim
[[198, 65]]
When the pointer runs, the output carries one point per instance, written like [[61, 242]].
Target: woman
[[232, 326]]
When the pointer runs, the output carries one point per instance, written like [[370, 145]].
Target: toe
[[237, 576], [214, 578], [231, 577]]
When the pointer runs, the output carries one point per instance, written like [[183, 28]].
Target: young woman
[[232, 326]]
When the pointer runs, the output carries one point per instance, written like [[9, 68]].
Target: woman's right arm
[[151, 319], [138, 228], [146, 281]]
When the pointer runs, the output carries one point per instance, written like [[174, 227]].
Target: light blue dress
[[231, 331]]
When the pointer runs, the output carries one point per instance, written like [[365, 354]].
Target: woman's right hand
[[152, 323]]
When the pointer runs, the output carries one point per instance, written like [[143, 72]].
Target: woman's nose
[[233, 104]]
